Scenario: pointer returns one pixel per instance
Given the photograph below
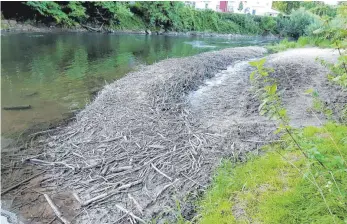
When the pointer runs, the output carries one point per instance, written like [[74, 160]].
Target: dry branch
[[156, 169], [56, 210], [130, 213], [138, 206]]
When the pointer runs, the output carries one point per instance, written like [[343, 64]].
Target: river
[[58, 73]]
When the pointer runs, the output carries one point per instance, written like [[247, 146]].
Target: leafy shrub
[[315, 25], [297, 24], [320, 8], [335, 31], [176, 16], [247, 23], [77, 11], [268, 23], [53, 10]]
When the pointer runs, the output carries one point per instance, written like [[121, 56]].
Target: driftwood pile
[[137, 148]]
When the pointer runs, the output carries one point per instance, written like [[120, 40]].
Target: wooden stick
[[77, 198], [138, 206], [101, 196], [130, 213], [193, 180], [129, 185], [18, 107], [20, 183], [120, 169], [39, 161], [56, 210], [164, 188], [161, 172], [271, 141]]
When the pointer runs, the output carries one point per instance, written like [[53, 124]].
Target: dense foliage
[[325, 32], [299, 23], [335, 30], [286, 6], [176, 16]]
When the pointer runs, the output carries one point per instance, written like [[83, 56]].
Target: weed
[[277, 187]]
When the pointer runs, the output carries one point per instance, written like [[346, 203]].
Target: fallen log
[[18, 107]]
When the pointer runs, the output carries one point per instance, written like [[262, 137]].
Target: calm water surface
[[57, 73]]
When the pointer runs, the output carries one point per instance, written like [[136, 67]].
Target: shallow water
[[57, 73]]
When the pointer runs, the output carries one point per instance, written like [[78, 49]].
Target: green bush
[[299, 21], [52, 10], [268, 23], [175, 16], [247, 23], [315, 25]]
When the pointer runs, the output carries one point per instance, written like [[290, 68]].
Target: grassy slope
[[301, 42], [277, 188]]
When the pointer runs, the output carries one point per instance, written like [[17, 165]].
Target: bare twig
[[130, 213], [56, 210], [156, 169], [138, 206]]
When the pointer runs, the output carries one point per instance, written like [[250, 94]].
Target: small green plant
[[335, 30], [271, 105], [300, 180], [318, 104], [277, 186]]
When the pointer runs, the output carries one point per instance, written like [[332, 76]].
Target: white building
[[212, 5], [254, 7]]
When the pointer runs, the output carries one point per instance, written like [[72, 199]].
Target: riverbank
[[14, 26], [58, 73], [146, 143], [149, 120]]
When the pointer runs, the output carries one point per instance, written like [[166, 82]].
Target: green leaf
[[262, 61], [273, 89], [309, 91], [282, 112], [262, 104], [253, 63], [251, 77]]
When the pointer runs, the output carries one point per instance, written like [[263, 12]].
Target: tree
[[286, 7], [160, 14], [240, 6]]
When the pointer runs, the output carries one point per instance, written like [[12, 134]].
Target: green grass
[[277, 187], [303, 41]]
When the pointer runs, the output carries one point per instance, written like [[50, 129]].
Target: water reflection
[[58, 72]]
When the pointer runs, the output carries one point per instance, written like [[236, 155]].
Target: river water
[[56, 73]]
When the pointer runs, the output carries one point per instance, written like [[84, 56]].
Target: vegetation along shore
[[254, 134], [158, 18]]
